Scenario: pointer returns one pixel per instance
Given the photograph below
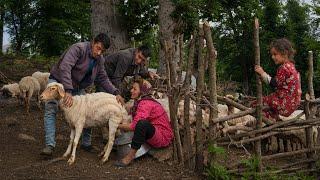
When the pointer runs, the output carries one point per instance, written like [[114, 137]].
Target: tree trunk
[[259, 92], [166, 26], [199, 90], [1, 26], [106, 19]]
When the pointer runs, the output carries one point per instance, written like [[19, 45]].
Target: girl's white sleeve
[[266, 78]]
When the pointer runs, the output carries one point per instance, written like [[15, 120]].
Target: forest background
[[43, 29]]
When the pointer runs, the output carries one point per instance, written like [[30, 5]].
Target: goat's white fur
[[12, 88], [91, 110], [29, 86], [42, 78]]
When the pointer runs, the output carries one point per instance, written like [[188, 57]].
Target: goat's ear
[[61, 92]]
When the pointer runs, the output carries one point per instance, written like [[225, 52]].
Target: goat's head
[[53, 91]]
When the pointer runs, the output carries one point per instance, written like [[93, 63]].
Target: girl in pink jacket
[[150, 122]]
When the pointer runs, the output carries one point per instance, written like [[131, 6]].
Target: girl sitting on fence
[[287, 96]]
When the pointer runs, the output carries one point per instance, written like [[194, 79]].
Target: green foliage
[[46, 27], [140, 17], [216, 150], [19, 18], [218, 172], [60, 24], [215, 170], [251, 166]]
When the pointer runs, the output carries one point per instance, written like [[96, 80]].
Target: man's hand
[[67, 100], [120, 99], [153, 75], [259, 69]]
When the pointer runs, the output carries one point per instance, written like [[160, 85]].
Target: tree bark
[[212, 79], [259, 92], [309, 111], [174, 97], [200, 86], [166, 26], [187, 143], [1, 27], [105, 18]]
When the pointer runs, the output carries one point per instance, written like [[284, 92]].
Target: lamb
[[29, 86], [88, 110], [11, 90], [43, 78]]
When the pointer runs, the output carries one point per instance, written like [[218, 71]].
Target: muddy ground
[[22, 139]]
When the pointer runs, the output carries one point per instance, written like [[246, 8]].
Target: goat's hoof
[[101, 154], [104, 159], [70, 161], [102, 162]]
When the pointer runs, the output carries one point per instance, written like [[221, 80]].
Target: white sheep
[[29, 86], [43, 78], [11, 90], [88, 110]]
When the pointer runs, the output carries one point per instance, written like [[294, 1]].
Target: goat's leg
[[78, 131], [68, 151], [113, 126], [38, 100]]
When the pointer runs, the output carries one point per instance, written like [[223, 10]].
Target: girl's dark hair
[[284, 46]]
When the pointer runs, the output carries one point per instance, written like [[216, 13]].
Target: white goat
[[43, 78], [88, 110], [29, 86]]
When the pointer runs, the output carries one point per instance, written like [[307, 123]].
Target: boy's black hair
[[104, 39], [146, 51]]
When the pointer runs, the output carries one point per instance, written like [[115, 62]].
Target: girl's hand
[[259, 69]]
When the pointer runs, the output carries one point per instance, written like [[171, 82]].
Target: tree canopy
[[48, 27]]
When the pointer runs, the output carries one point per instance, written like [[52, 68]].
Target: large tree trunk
[[105, 18], [166, 26], [1, 26]]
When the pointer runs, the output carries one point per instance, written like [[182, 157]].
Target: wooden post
[[187, 144], [212, 85], [174, 98], [308, 108], [259, 91], [310, 75], [199, 89]]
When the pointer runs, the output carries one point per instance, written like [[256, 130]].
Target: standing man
[[128, 62], [78, 68]]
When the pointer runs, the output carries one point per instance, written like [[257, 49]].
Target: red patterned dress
[[287, 96]]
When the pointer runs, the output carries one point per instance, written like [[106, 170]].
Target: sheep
[[43, 78], [88, 110], [11, 90], [29, 86]]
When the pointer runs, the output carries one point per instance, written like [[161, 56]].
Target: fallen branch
[[285, 154], [265, 129], [250, 139], [298, 163], [235, 128]]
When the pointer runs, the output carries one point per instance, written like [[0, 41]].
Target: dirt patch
[[22, 139]]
